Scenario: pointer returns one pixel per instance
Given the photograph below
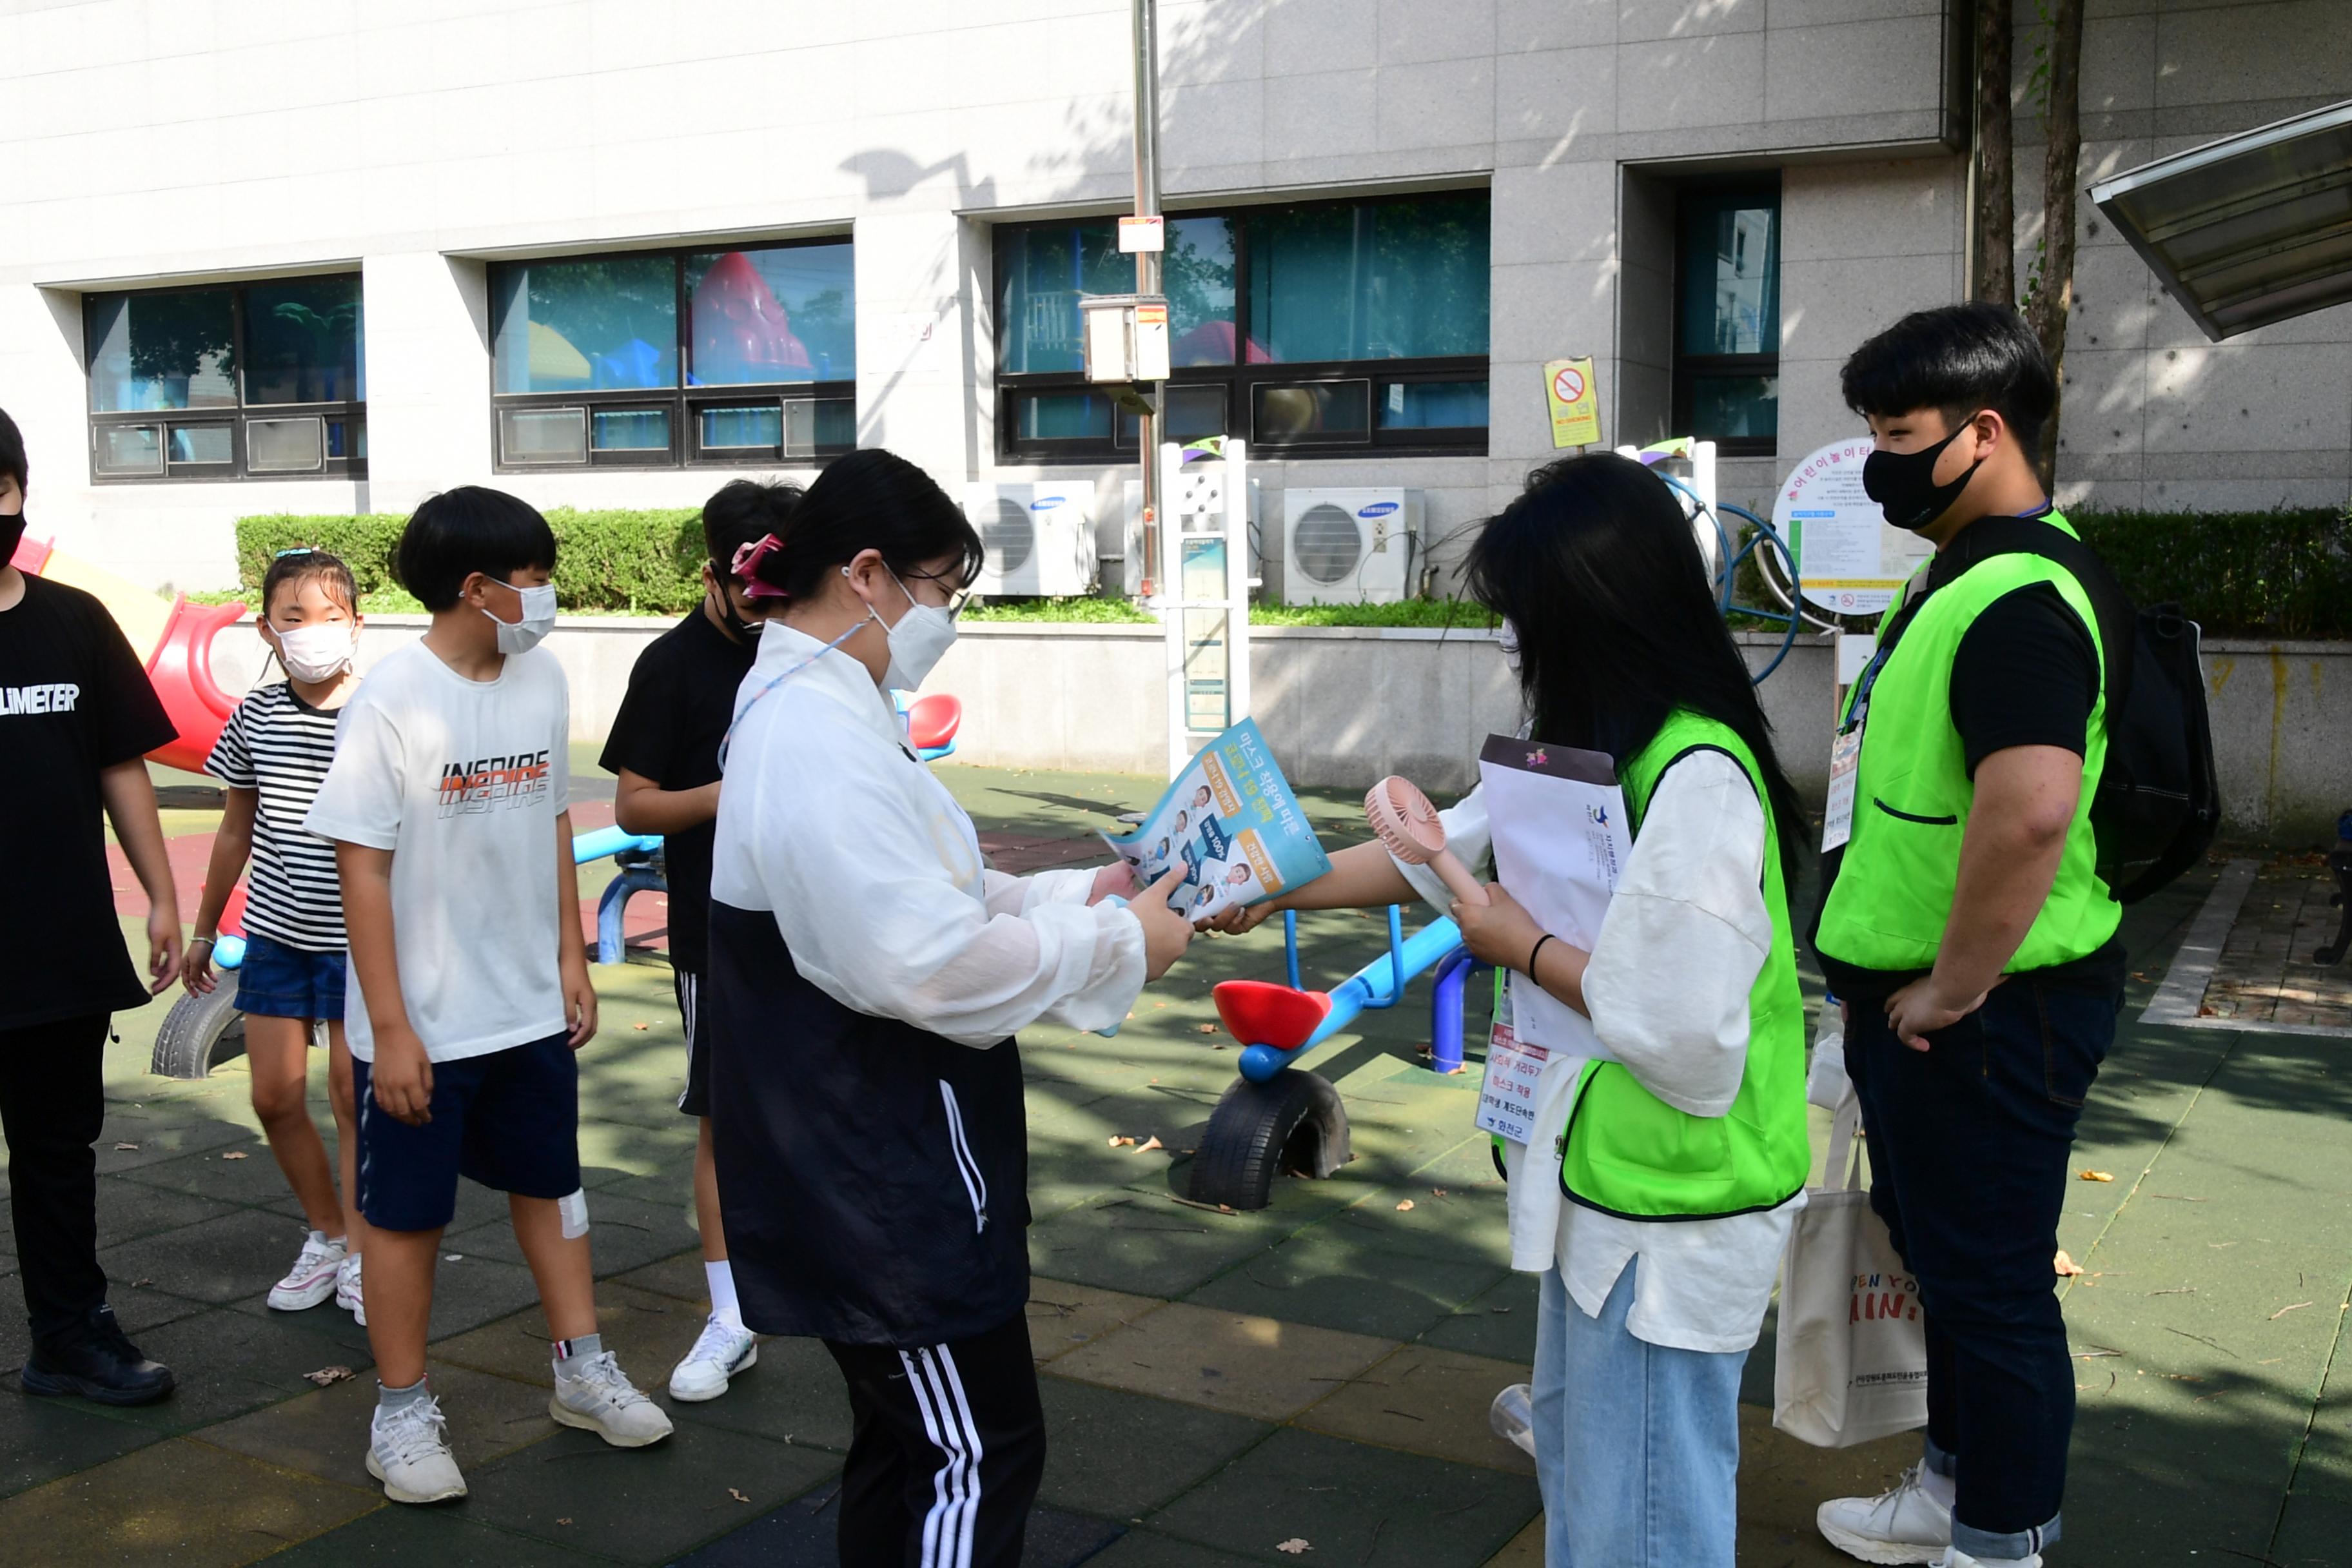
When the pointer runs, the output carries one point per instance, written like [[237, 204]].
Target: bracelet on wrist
[[208, 942], [1531, 955]]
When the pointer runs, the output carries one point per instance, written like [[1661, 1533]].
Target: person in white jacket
[[1654, 1283], [867, 971]]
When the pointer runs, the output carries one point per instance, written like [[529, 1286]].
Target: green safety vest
[[1627, 1153], [1912, 792]]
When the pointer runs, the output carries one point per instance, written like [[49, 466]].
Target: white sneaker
[[408, 1451], [347, 1290], [724, 1349], [1956, 1558], [1904, 1525], [313, 1279], [599, 1397]]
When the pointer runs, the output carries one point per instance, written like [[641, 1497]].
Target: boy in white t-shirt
[[468, 989]]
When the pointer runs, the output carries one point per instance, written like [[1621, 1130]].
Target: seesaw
[[202, 1032]]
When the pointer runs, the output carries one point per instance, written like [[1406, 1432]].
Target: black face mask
[[12, 530], [737, 626], [1904, 484]]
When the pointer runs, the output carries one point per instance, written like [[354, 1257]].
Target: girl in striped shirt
[[272, 754]]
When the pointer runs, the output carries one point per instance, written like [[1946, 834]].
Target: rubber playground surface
[[1307, 1384]]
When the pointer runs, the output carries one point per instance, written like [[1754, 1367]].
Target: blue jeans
[[1969, 1143], [1637, 1445]]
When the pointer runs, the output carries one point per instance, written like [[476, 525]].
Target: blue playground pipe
[[1379, 984], [637, 856]]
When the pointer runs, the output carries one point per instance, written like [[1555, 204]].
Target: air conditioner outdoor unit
[[1349, 546], [1040, 538]]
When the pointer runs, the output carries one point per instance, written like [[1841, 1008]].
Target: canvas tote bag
[[1851, 1352]]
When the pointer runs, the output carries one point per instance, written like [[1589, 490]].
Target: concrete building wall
[[167, 140]]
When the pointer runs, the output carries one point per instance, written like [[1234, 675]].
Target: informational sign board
[[1851, 561], [1575, 403], [1143, 233]]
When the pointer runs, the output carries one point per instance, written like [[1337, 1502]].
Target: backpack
[[2159, 803]]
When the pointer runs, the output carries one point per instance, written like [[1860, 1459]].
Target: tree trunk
[[2053, 299], [1996, 215]]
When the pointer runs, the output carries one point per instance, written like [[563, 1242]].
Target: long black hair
[[870, 500], [1598, 572]]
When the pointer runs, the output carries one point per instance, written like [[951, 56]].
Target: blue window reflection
[[1042, 272], [162, 351], [583, 326], [784, 315], [1394, 280]]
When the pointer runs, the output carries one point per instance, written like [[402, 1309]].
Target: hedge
[[2285, 573]]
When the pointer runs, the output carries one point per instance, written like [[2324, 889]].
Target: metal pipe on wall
[[1147, 263]]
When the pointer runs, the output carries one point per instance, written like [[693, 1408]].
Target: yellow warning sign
[[1575, 404]]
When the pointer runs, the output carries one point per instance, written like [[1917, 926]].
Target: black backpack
[[2159, 804]]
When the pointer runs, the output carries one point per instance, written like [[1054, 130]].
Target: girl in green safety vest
[[1667, 1155]]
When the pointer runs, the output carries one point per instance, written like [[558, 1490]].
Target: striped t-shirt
[[279, 745]]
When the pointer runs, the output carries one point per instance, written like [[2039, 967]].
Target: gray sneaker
[[408, 1451], [598, 1397]]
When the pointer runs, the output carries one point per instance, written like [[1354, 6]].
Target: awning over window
[[2248, 230]]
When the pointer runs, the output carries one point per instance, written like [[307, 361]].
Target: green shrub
[[2285, 573], [612, 562]]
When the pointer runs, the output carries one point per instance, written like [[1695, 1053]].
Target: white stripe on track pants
[[946, 1449]]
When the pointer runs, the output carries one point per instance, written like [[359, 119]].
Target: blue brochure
[[1231, 821]]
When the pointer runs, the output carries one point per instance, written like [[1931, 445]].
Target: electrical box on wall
[[1349, 546], [1039, 538], [1125, 337]]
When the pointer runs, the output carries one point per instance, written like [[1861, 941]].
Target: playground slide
[[172, 638]]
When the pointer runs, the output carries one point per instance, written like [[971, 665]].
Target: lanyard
[[728, 739]]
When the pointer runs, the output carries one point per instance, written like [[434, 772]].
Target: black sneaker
[[98, 1362]]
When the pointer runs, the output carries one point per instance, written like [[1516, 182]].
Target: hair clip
[[747, 560], [298, 550]]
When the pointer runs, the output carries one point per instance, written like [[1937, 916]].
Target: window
[[244, 380], [1727, 317], [718, 357], [1326, 328]]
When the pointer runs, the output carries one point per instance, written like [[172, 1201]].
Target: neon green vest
[[1626, 1152], [1912, 793]]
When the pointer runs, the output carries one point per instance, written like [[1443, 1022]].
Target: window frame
[[237, 415], [683, 403], [1242, 380], [1688, 367]]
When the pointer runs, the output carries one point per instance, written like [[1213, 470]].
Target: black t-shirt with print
[[681, 698], [73, 702]]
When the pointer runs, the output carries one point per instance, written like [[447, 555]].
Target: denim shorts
[[280, 981], [509, 1120]]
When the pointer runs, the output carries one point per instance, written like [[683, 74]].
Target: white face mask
[[538, 619], [1510, 644], [918, 643], [320, 651]]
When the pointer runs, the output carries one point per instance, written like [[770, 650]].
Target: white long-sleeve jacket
[[873, 873]]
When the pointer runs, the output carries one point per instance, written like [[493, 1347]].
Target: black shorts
[[509, 1120], [696, 1100]]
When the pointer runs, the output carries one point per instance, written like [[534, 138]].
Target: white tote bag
[[1851, 1352]]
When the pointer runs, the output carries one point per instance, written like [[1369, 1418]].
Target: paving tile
[[129, 1209], [226, 1362], [1426, 1401], [242, 1252], [1449, 1224], [441, 1536], [41, 1439], [641, 1505], [648, 1333], [2313, 1531], [253, 1181], [330, 1323], [1331, 1278], [1525, 1549], [802, 1535], [163, 1132], [794, 1393], [1063, 1315], [1225, 1361], [1500, 1322], [623, 1232], [324, 1433], [1783, 1482], [178, 1501], [1351, 1504], [1122, 1455], [608, 1146], [679, 1275], [1147, 1243]]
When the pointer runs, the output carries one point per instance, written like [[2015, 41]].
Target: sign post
[[1204, 580], [1574, 401]]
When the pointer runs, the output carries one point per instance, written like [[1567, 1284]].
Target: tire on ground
[[199, 1033], [1293, 1122]]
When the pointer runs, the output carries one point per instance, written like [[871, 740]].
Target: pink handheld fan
[[1408, 824]]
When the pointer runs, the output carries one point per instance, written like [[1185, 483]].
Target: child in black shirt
[[665, 750], [76, 720]]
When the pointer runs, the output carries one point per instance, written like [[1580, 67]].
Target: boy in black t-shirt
[[664, 749], [76, 718]]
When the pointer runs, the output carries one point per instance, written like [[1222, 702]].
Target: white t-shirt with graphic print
[[462, 780]]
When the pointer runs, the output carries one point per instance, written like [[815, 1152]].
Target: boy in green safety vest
[[1966, 931]]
